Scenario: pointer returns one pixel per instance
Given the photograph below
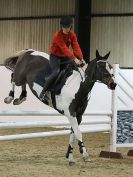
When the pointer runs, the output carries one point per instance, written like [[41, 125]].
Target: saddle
[[59, 81]]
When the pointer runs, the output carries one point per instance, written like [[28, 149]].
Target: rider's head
[[66, 23]]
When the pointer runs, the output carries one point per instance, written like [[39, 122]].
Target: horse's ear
[[106, 56], [97, 54]]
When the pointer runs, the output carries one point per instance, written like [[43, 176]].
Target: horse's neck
[[90, 72], [89, 80], [81, 80]]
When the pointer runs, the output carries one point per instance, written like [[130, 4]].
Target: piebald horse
[[72, 99]]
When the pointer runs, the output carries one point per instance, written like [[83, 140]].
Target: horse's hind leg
[[22, 96], [9, 99]]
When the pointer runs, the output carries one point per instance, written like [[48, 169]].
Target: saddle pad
[[42, 74]]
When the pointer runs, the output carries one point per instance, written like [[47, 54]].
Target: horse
[[71, 98]]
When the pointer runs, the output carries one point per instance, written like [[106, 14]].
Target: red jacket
[[62, 42]]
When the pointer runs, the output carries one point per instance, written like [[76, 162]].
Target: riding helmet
[[66, 21]]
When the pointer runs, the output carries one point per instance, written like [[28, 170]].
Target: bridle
[[105, 79]]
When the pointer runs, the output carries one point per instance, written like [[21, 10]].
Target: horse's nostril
[[113, 85]]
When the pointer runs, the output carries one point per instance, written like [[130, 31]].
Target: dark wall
[[83, 25]]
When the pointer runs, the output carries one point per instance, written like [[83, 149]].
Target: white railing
[[89, 125], [104, 128], [49, 113]]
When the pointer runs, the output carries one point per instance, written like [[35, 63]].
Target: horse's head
[[104, 71]]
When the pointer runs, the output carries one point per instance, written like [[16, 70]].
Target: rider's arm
[[76, 48], [63, 47]]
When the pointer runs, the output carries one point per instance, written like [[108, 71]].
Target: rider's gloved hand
[[77, 61]]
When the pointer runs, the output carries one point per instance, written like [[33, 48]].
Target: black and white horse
[[72, 98]]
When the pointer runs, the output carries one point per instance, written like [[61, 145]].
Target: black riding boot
[[47, 83], [43, 93]]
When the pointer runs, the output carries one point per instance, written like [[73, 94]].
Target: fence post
[[114, 112]]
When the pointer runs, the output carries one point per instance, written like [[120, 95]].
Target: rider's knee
[[56, 72]]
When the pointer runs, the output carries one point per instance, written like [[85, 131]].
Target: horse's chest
[[68, 93]]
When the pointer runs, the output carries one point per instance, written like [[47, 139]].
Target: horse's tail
[[10, 63]]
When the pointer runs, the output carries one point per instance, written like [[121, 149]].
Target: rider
[[60, 51]]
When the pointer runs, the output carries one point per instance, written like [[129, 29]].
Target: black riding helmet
[[66, 21]]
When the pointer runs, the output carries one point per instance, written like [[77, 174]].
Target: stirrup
[[43, 96]]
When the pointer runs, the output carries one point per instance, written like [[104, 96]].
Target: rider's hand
[[78, 62]]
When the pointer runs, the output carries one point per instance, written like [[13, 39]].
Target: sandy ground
[[45, 157]]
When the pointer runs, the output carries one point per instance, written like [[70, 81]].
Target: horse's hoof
[[86, 157], [18, 101], [71, 163], [8, 99]]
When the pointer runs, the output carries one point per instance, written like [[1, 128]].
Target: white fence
[[123, 94], [89, 125]]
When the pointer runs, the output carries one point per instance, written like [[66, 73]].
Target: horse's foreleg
[[22, 96], [78, 136], [82, 148], [83, 151], [9, 99], [69, 154]]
